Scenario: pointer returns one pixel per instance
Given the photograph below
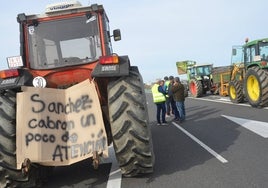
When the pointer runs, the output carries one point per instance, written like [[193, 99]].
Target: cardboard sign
[[59, 126]]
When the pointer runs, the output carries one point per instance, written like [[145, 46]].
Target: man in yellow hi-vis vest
[[159, 99]]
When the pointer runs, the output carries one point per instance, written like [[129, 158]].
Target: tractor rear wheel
[[256, 87], [195, 88], [130, 124], [236, 92], [9, 175]]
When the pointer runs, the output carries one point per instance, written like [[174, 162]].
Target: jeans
[[168, 103], [161, 111], [174, 109], [181, 109]]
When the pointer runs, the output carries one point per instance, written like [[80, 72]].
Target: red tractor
[[66, 45]]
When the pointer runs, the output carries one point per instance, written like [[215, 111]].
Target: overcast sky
[[156, 34]]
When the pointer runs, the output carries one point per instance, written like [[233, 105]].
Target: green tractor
[[199, 77], [249, 77]]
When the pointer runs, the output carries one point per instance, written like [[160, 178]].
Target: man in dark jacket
[[172, 101], [179, 97]]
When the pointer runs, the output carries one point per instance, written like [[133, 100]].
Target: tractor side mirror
[[117, 34], [21, 18]]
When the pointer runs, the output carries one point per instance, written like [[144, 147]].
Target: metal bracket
[[25, 167], [96, 160]]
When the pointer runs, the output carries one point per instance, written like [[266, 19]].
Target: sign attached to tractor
[[15, 62], [59, 127]]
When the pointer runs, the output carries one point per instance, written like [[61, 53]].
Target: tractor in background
[[245, 80], [199, 77], [249, 75]]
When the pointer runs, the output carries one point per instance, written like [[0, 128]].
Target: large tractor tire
[[9, 175], [236, 92], [130, 124], [256, 87], [195, 88]]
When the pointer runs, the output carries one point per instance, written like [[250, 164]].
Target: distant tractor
[[199, 77], [249, 75]]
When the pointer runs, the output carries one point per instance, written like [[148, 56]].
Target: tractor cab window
[[107, 36], [203, 70], [237, 55], [65, 42], [264, 50], [250, 54], [207, 70], [192, 71]]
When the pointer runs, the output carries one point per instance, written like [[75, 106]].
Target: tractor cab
[[200, 70], [63, 46], [253, 53]]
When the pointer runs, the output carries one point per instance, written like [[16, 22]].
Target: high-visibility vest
[[166, 85], [157, 96]]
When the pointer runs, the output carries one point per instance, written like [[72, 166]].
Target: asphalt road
[[217, 146]]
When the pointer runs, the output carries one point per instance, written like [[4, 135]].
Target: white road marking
[[219, 101], [226, 101], [211, 151], [258, 127], [115, 175]]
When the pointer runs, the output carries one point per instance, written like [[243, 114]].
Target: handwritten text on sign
[[59, 127]]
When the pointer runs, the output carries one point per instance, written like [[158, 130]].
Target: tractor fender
[[113, 70]]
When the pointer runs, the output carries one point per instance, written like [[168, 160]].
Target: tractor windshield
[[203, 70], [65, 42]]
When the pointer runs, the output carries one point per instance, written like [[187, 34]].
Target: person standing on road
[[166, 85], [159, 99], [166, 82], [179, 97], [169, 107], [172, 102]]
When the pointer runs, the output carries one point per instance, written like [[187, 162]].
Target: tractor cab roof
[[62, 8], [254, 42]]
